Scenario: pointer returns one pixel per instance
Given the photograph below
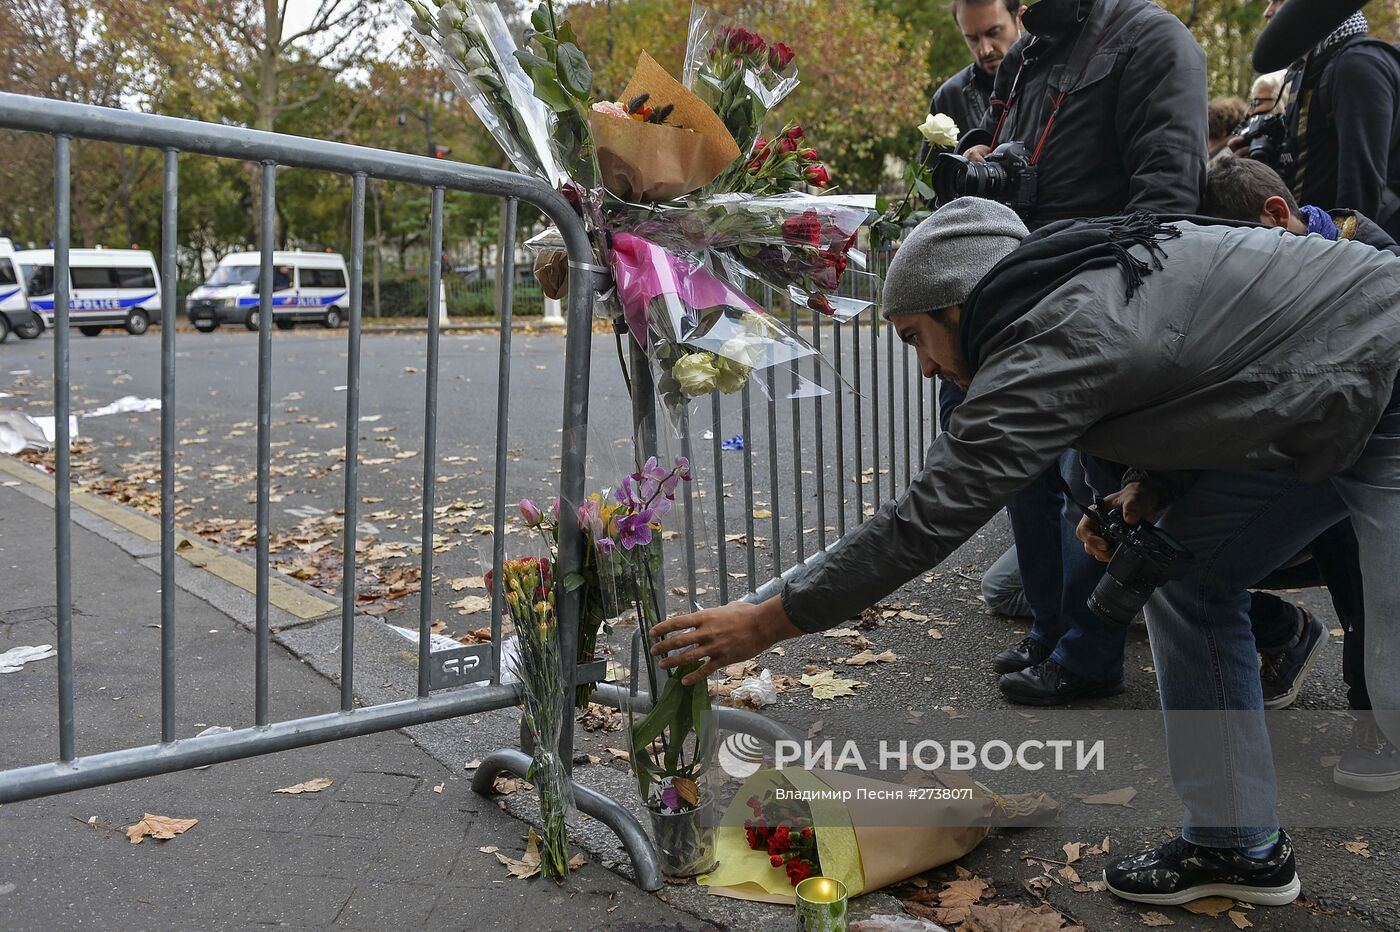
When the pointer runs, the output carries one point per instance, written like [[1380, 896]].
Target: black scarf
[[1050, 257]]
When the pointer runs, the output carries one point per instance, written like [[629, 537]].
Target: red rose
[[817, 175], [776, 860], [805, 229], [787, 145], [807, 833], [796, 132], [820, 304], [780, 56], [756, 45], [752, 838], [808, 155]]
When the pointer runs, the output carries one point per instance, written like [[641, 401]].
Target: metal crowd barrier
[[860, 444]]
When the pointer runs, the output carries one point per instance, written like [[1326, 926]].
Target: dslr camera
[[1144, 557], [1266, 134], [1008, 176]]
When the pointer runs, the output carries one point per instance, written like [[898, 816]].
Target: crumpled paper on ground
[[20, 432], [756, 691], [127, 404], [887, 923], [14, 659]]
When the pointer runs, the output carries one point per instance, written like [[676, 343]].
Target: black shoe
[[1048, 683], [1372, 763], [1179, 872], [1281, 675], [1026, 654]]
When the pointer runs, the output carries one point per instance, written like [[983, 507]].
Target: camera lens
[[955, 176], [1114, 602]]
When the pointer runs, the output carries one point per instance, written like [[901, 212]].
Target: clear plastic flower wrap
[[528, 587], [799, 244], [741, 75], [701, 333], [470, 40]]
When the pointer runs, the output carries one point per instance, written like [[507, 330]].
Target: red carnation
[[776, 860], [780, 56]]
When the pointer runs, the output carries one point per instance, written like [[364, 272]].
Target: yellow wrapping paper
[[863, 856], [661, 161]]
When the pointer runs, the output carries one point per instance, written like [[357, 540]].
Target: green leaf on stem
[[574, 70]]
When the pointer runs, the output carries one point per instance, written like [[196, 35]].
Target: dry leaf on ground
[[529, 863], [470, 605], [310, 786], [467, 582], [962, 892], [1360, 847], [505, 785], [1120, 797], [1156, 919], [1072, 850], [1240, 920], [868, 657], [1013, 918], [158, 826], [825, 684]]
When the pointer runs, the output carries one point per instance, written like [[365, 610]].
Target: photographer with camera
[[1090, 335], [989, 27], [1338, 143], [1099, 109]]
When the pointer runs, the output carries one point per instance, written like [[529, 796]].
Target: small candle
[[821, 905]]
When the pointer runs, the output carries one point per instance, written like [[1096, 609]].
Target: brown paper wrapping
[[661, 161], [552, 272], [891, 853]]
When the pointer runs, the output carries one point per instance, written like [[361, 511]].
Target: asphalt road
[[936, 684]]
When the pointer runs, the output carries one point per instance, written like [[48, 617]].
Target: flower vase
[[685, 841]]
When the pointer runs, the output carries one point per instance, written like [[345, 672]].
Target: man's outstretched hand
[[728, 634]]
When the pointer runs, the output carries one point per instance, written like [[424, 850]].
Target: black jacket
[[1131, 134], [1344, 124], [964, 97]]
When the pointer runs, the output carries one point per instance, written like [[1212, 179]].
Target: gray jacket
[[1131, 133], [1251, 349]]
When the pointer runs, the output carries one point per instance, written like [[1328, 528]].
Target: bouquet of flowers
[[660, 163], [528, 585], [783, 828]]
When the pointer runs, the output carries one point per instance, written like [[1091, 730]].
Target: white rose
[[696, 373], [455, 46], [743, 350], [940, 130]]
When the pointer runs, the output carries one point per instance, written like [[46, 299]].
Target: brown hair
[[1012, 6], [1237, 188], [1223, 115]]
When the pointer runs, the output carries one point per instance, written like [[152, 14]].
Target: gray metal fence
[[832, 459]]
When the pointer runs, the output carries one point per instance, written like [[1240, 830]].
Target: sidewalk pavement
[[393, 842]]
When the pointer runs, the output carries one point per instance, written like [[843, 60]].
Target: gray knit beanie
[[948, 254]]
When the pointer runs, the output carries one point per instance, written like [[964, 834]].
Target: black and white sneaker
[[1179, 872]]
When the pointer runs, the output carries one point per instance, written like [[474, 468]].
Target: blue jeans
[[1240, 526], [1059, 576], [1002, 589]]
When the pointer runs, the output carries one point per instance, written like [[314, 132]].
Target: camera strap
[[1078, 55]]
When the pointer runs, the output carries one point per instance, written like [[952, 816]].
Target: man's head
[[989, 27], [1223, 115], [935, 270], [1243, 189], [1264, 93]]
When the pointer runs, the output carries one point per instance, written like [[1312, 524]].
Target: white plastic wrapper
[[756, 691]]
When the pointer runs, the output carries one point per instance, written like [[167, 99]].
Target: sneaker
[[1282, 674], [1026, 654], [1372, 763], [1179, 872], [1048, 683]]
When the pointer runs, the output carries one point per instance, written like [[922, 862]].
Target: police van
[[15, 315], [107, 288], [306, 286]]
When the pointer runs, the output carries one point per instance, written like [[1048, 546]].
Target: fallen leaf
[[470, 605], [158, 826], [841, 633], [1240, 920], [1360, 847], [619, 753], [488, 849], [962, 892], [529, 863], [310, 786], [1156, 919], [826, 685], [1012, 918], [577, 861], [868, 657], [472, 764], [467, 582], [1121, 797], [762, 513], [1072, 850], [1211, 906], [438, 788], [1039, 886], [1070, 875], [506, 785], [935, 634], [913, 616]]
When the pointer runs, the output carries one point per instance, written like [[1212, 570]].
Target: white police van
[[306, 286], [15, 315], [107, 288]]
